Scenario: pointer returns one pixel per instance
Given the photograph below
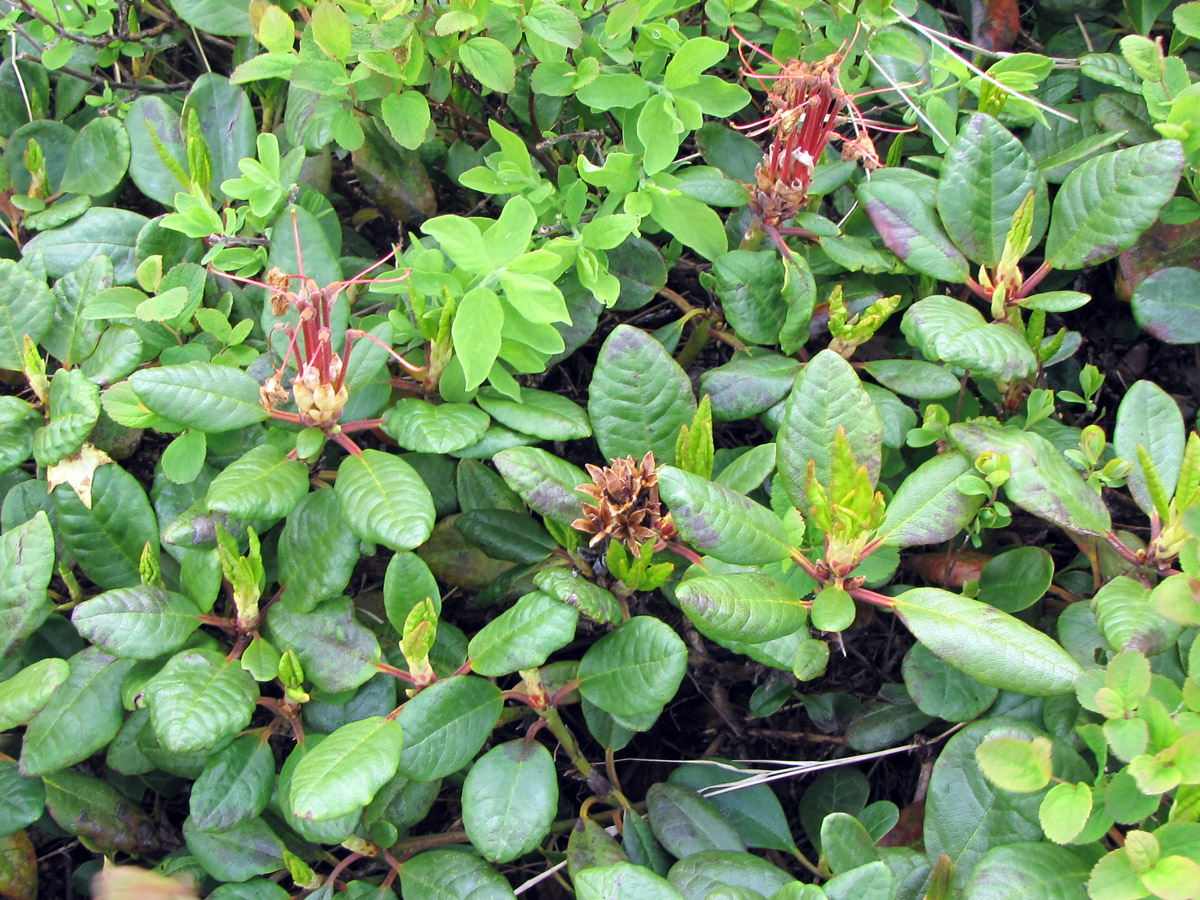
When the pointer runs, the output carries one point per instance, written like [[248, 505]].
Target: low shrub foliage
[[758, 357]]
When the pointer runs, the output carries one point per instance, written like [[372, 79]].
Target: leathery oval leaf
[[384, 500], [989, 645], [139, 622], [721, 522], [446, 724], [510, 797], [345, 771], [741, 607], [635, 669], [198, 699]]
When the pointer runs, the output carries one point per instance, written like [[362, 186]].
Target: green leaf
[[720, 522], [384, 500], [543, 414], [692, 58], [331, 31], [1041, 481], [344, 772], [26, 308], [407, 117], [230, 17], [1167, 305], [476, 334], [1106, 203], [1065, 811], [748, 607], [700, 874], [26, 566], [928, 507], [1016, 579], [986, 175], [108, 539], [693, 222], [446, 725], [639, 397], [685, 823], [1028, 869], [237, 854], [509, 800], [140, 622], [18, 422], [554, 23], [623, 881], [942, 691], [81, 718], [235, 785], [987, 644], [74, 337], [906, 222], [914, 378], [91, 809], [954, 332], [754, 810], [261, 484], [98, 158], [593, 601], [156, 179], [452, 875], [545, 482], [335, 651], [827, 396], [523, 637], [1149, 418], [1128, 617], [198, 699], [635, 669], [421, 426], [99, 231], [317, 552], [74, 410], [490, 62], [22, 799], [1014, 764], [26, 694], [200, 395]]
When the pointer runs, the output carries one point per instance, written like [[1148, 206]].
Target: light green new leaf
[[509, 800], [635, 669], [26, 565], [490, 62], [928, 507], [344, 772], [827, 396], [262, 484], [721, 522], [82, 717], [1041, 481], [695, 223], [26, 308], [1128, 617], [989, 645], [26, 694], [747, 607], [1149, 417], [476, 334], [384, 500], [523, 637], [1108, 201], [137, 622], [446, 725], [200, 395], [639, 397], [407, 117], [198, 699], [986, 175]]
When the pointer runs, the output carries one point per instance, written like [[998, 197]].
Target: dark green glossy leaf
[[26, 308], [198, 699], [100, 230], [635, 669], [1016, 579], [746, 607], [452, 875], [384, 500], [708, 870], [107, 540], [337, 653], [523, 637], [238, 853], [344, 772], [138, 622], [685, 823], [262, 484], [928, 507], [235, 785], [27, 692], [1167, 304], [720, 522], [200, 395], [545, 482], [754, 811], [26, 565], [942, 691], [446, 725], [317, 552]]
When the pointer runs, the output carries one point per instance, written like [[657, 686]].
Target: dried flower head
[[627, 507]]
